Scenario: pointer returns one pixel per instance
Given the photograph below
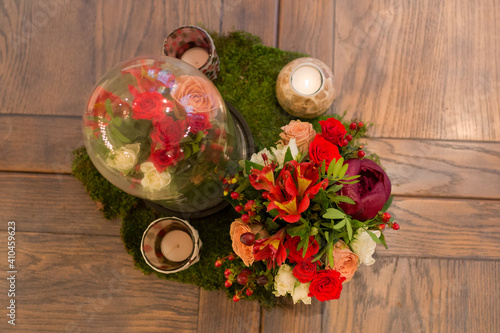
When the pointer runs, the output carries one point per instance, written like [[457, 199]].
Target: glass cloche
[[158, 129]]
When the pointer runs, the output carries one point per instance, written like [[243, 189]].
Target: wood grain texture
[[420, 69], [217, 313], [258, 17], [295, 318], [307, 28], [51, 204], [440, 168], [69, 283], [418, 295], [72, 44]]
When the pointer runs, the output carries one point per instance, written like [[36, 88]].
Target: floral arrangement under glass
[[312, 210], [158, 129]]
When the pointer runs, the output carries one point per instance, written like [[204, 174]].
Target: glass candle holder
[[193, 45], [170, 245], [305, 87]]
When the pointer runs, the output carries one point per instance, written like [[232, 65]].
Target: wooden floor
[[426, 73]]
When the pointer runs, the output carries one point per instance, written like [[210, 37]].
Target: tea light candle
[[177, 245], [195, 56], [306, 80]]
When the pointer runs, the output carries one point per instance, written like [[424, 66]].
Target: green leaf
[[301, 230], [288, 155], [117, 121], [330, 254], [334, 168], [332, 213], [382, 239], [335, 188], [387, 204], [323, 167], [343, 170], [251, 165], [322, 199], [271, 226], [109, 109], [374, 237], [349, 228], [339, 225], [314, 231], [320, 254], [115, 133], [341, 198], [303, 244]]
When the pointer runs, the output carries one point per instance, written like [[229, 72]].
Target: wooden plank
[[416, 167], [440, 168], [308, 28], [420, 69], [53, 204], [258, 17], [68, 283], [418, 295], [444, 228], [92, 36], [294, 318], [217, 313]]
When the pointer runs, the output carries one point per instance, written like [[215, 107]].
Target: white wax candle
[[195, 56], [177, 245], [306, 80]]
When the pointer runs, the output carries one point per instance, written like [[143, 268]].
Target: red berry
[[345, 142], [238, 208], [249, 205], [262, 280], [224, 181], [249, 292], [361, 154], [246, 271], [381, 226], [395, 226], [353, 126], [252, 213], [247, 238], [236, 298], [228, 284], [227, 272], [235, 195], [348, 137], [231, 257], [265, 195], [218, 263], [245, 218], [242, 279], [360, 124], [386, 217]]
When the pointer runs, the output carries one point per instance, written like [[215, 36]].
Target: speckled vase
[[300, 105]]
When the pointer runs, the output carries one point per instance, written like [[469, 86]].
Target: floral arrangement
[[156, 134], [312, 210]]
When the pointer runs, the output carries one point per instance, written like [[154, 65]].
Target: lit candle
[[306, 80], [195, 56], [177, 245]]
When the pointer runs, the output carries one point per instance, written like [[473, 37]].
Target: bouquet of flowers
[[158, 129], [312, 210]]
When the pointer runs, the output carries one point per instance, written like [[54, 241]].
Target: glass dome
[[158, 129]]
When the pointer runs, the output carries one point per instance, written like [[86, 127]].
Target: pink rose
[[303, 133], [346, 262]]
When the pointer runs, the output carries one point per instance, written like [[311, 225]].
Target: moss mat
[[246, 80]]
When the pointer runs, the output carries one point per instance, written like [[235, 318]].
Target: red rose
[[333, 130], [320, 150], [163, 158], [150, 105], [326, 285], [296, 256], [167, 132], [198, 122], [305, 270]]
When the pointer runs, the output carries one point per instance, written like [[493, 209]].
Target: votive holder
[[195, 46], [305, 87], [170, 245]]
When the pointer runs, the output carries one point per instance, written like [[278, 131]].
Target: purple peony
[[371, 192]]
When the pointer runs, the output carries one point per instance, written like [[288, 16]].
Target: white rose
[[280, 151], [257, 157], [154, 180], [284, 281], [301, 293], [364, 246], [124, 158]]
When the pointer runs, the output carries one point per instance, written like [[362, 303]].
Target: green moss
[[247, 80]]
